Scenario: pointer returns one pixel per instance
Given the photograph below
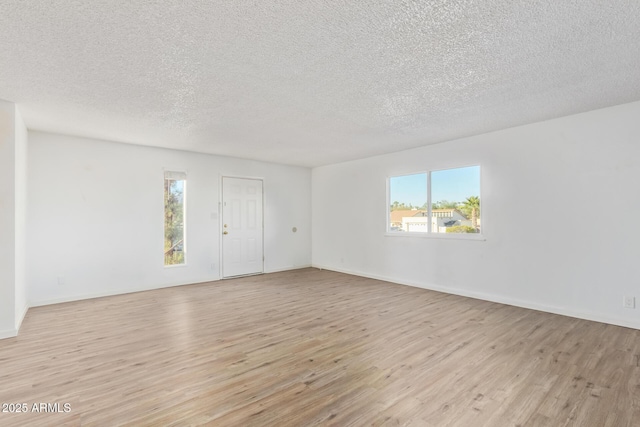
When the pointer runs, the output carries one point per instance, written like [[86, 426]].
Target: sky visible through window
[[453, 185]]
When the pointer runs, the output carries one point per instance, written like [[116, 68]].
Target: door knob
[[226, 232]]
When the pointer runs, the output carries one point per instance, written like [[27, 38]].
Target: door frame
[[220, 221]]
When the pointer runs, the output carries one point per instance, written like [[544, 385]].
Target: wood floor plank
[[316, 348]]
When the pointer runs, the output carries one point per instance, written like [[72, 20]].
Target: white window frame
[[429, 234]]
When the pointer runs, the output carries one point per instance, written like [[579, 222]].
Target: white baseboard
[[80, 297], [279, 270], [71, 298], [21, 318], [595, 317], [8, 333]]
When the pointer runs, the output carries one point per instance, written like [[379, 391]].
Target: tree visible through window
[[444, 201], [174, 207]]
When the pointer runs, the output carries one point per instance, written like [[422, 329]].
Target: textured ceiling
[[312, 82]]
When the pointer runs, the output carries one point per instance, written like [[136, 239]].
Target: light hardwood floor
[[312, 347]]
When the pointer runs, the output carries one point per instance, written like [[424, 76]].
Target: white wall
[[95, 216], [7, 219], [560, 216], [20, 219]]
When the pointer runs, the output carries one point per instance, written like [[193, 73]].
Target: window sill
[[175, 265], [438, 236]]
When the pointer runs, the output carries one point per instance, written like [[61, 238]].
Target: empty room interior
[[320, 213]]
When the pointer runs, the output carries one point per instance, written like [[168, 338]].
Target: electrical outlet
[[213, 265], [60, 280], [629, 302]]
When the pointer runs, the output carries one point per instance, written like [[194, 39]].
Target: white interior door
[[241, 226]]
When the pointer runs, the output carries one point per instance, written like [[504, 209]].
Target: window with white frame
[[174, 218], [440, 201]]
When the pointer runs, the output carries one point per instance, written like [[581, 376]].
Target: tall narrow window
[[443, 201], [174, 224]]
